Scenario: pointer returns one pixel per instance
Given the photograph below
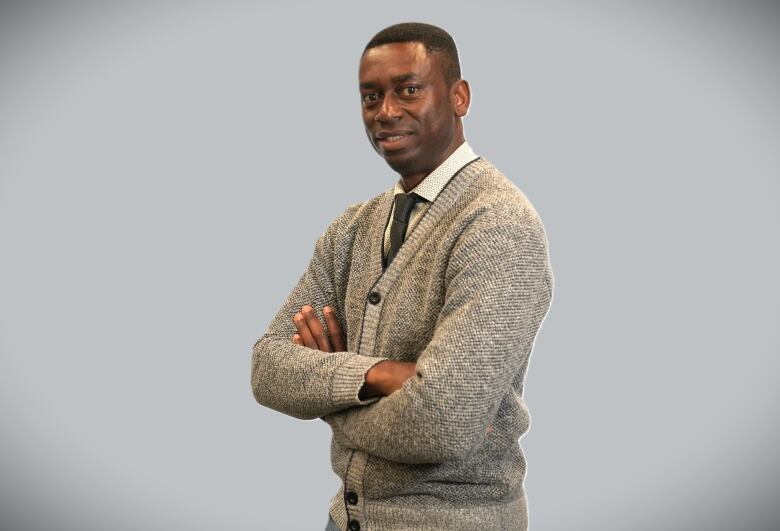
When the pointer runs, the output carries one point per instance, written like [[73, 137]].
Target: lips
[[393, 140]]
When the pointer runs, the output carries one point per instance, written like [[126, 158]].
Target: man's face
[[407, 107]]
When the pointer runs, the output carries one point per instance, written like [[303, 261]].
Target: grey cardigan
[[464, 297]]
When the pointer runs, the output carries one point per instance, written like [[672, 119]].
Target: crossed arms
[[440, 407], [382, 379]]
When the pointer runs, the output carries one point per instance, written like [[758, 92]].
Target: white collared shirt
[[430, 186]]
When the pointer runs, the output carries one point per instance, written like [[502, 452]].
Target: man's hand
[[386, 377], [311, 333], [381, 380]]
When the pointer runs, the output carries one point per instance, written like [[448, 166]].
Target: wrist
[[386, 377], [372, 382]]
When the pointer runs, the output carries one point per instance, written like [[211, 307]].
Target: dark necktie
[[404, 203]]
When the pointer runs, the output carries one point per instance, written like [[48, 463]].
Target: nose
[[389, 110]]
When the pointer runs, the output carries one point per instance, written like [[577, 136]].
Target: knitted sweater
[[464, 297]]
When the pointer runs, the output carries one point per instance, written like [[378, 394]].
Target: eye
[[410, 90], [369, 97]]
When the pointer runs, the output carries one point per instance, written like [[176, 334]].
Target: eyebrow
[[395, 79]]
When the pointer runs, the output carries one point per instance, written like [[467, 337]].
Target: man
[[411, 329]]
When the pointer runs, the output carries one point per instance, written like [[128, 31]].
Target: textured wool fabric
[[464, 297]]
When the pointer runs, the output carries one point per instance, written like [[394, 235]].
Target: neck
[[413, 179]]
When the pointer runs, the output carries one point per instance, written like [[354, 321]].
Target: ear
[[460, 95]]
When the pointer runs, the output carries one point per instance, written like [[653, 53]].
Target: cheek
[[426, 115], [435, 123]]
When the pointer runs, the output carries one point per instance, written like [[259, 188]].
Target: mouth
[[392, 142]]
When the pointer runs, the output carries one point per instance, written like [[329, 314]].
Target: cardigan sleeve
[[498, 290], [299, 381]]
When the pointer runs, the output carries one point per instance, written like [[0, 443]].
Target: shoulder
[[342, 229], [354, 215], [500, 230], [493, 201]]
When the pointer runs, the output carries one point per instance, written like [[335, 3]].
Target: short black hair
[[435, 40]]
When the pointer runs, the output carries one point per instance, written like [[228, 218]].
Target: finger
[[303, 330], [297, 339], [336, 336], [316, 329]]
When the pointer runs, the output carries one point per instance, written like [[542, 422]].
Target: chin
[[401, 163], [402, 167]]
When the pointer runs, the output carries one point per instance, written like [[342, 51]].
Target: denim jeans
[[332, 525]]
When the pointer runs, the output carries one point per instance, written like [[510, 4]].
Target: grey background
[[165, 170]]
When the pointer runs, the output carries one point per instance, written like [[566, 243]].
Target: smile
[[393, 142]]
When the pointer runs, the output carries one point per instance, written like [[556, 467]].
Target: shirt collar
[[434, 182]]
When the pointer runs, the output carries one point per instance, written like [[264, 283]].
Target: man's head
[[413, 97]]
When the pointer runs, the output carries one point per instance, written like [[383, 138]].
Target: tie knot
[[404, 203]]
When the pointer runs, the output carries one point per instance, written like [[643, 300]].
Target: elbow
[[265, 396], [270, 393], [261, 380], [441, 451], [443, 443], [257, 372], [453, 449], [260, 389]]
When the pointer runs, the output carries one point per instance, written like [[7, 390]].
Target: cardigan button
[[374, 297], [352, 498], [354, 525]]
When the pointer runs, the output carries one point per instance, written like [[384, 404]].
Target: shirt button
[[374, 297], [352, 498], [354, 525]]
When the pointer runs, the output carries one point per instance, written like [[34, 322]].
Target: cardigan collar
[[462, 179], [433, 183]]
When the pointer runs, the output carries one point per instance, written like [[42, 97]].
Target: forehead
[[383, 63]]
